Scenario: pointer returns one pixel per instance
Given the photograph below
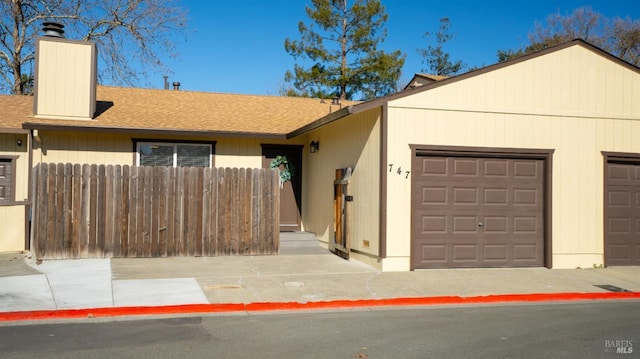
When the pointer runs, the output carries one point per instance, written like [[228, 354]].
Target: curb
[[298, 306]]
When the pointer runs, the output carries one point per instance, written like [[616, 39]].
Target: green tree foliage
[[340, 47], [437, 60], [132, 35], [618, 36]]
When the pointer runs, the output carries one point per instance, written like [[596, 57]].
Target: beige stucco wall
[[572, 101], [353, 142], [12, 229]]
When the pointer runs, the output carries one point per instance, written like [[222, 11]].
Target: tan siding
[[572, 82], [577, 166], [571, 101], [110, 148], [351, 143], [65, 79], [12, 229]]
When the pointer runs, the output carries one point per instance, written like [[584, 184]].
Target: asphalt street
[[549, 330]]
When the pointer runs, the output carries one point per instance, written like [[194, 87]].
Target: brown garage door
[[477, 212], [622, 214]]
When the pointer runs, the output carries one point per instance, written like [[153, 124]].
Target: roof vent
[[176, 86], [53, 29]]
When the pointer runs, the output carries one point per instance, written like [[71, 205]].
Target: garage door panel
[[464, 224], [465, 196], [619, 198], [433, 253], [496, 252], [435, 167], [434, 195], [475, 212], [526, 169], [465, 167], [495, 224], [496, 168], [465, 253], [434, 224], [622, 214], [496, 196]]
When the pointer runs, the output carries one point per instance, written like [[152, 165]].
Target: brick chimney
[[65, 76]]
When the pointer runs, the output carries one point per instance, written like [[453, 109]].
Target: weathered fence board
[[90, 211]]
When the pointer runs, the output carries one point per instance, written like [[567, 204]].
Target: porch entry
[[340, 245], [291, 192]]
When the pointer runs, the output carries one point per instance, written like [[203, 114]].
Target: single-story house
[[534, 162]]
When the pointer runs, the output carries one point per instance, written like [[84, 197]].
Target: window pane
[[194, 155], [156, 155]]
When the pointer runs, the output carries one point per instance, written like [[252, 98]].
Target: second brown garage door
[[622, 213], [477, 212]]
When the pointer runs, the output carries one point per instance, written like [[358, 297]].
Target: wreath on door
[[285, 168]]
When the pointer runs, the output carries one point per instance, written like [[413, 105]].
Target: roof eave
[[151, 131]]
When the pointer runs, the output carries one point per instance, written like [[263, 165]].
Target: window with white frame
[[174, 154]]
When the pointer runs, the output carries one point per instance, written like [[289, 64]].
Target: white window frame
[[175, 149]]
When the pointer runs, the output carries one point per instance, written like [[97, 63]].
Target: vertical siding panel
[[108, 215], [77, 211], [206, 209], [124, 212], [42, 226], [67, 212], [234, 212], [101, 210], [213, 213], [180, 208], [255, 211], [85, 212], [117, 212], [140, 235], [58, 212], [198, 235], [275, 222], [134, 203], [172, 213], [147, 211], [245, 216], [93, 219], [155, 213], [223, 214], [162, 211], [188, 205]]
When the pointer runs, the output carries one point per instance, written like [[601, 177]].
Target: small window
[[7, 176], [174, 154]]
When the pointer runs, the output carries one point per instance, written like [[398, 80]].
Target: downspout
[[383, 182]]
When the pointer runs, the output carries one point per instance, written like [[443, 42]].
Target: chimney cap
[[53, 29]]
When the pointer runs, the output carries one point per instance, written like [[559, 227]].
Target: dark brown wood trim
[[28, 207], [383, 181], [528, 153], [611, 157]]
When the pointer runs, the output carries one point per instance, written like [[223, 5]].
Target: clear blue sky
[[237, 46]]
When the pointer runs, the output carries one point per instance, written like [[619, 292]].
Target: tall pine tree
[[340, 49]]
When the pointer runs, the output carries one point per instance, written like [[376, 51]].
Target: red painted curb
[[289, 306]]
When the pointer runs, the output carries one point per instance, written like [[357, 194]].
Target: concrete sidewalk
[[301, 273]]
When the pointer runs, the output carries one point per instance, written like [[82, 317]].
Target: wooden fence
[[90, 211]]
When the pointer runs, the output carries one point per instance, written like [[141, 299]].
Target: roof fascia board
[[46, 126]]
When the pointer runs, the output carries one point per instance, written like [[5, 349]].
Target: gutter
[[58, 127]]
